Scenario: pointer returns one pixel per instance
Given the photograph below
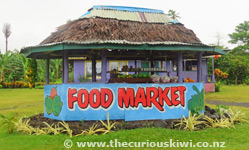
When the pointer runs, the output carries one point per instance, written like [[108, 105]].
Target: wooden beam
[[199, 66], [94, 73], [103, 66], [66, 67], [47, 72], [179, 67]]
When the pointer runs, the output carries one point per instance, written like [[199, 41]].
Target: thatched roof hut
[[120, 29]]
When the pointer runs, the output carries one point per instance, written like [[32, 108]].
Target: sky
[[34, 20]]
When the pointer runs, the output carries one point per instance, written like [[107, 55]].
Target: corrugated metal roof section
[[126, 15], [125, 8], [118, 42]]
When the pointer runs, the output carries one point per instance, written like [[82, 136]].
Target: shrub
[[9, 122], [190, 123], [246, 81], [217, 86]]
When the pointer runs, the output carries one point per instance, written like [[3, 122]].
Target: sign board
[[71, 102]]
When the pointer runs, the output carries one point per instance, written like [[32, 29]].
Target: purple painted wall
[[79, 69], [192, 74]]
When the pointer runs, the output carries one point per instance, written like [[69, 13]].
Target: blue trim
[[86, 14], [175, 21], [131, 9]]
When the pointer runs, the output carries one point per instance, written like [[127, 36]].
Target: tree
[[4, 60], [31, 71], [56, 66], [14, 69], [241, 34], [173, 15], [6, 31]]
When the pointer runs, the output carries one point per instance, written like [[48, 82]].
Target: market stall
[[129, 90]]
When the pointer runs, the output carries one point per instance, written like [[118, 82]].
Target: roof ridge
[[126, 8]]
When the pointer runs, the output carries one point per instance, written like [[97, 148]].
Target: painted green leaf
[[196, 103], [48, 104], [57, 105]]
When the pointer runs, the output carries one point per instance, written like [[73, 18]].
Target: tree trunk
[[6, 45], [57, 75]]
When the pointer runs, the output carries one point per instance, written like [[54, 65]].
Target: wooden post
[[179, 66], [94, 68], [152, 65], [63, 70], [168, 67], [47, 72], [103, 66], [213, 77], [199, 66], [135, 65], [66, 68]]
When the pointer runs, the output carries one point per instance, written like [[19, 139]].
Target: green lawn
[[230, 94], [29, 102], [24, 101]]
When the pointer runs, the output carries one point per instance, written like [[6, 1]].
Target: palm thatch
[[103, 29]]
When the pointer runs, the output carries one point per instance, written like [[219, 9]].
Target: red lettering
[[182, 90], [71, 99], [94, 102], [106, 103], [152, 99], [86, 99], [126, 97], [163, 96], [140, 97], [174, 96]]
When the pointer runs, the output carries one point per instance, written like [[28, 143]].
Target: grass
[[24, 101], [231, 93], [22, 98]]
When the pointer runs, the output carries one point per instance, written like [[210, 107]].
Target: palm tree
[[6, 31], [173, 15]]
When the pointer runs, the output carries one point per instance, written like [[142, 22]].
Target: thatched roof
[[103, 29], [124, 31]]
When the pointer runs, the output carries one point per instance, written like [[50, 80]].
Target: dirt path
[[216, 102]]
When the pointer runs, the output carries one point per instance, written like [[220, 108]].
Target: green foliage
[[217, 86], [52, 129], [236, 62], [39, 87], [31, 73], [246, 81], [236, 65], [92, 131], [241, 34], [190, 123], [216, 123], [221, 109], [12, 66], [108, 126], [173, 15], [24, 127], [82, 79], [196, 103], [9, 122], [66, 128], [236, 116]]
